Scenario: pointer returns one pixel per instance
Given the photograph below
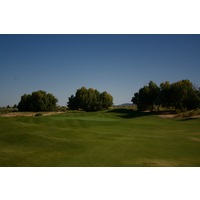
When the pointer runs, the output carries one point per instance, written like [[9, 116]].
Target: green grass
[[119, 137]]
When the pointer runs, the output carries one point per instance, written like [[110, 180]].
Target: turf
[[118, 137]]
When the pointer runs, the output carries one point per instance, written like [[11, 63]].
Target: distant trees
[[181, 95], [90, 100], [37, 101], [85, 99]]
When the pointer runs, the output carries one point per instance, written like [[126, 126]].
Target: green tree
[[89, 100], [154, 95], [106, 100], [135, 99], [147, 97], [37, 101], [51, 102], [181, 95], [141, 98], [192, 100], [81, 98], [72, 103], [92, 103], [165, 94], [25, 104]]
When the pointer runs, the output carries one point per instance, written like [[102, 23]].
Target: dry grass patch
[[27, 114]]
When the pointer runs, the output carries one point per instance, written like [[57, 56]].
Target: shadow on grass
[[189, 119], [128, 113]]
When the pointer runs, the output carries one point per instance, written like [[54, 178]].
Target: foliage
[[181, 95], [147, 97], [165, 94], [89, 100], [8, 110], [61, 108], [72, 103], [37, 101], [106, 100]]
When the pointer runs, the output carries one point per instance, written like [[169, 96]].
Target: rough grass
[[119, 137]]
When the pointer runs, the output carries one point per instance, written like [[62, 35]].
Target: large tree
[[147, 97], [37, 101], [72, 103], [179, 95], [165, 94], [106, 100], [184, 95], [89, 100]]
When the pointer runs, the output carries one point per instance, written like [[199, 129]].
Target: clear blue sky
[[118, 64]]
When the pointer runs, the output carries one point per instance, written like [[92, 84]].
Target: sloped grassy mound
[[119, 137]]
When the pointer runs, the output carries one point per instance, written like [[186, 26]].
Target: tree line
[[85, 99], [90, 100], [180, 95]]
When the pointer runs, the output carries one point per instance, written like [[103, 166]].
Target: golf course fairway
[[114, 138]]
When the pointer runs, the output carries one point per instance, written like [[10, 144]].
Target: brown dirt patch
[[27, 114], [168, 116], [196, 116]]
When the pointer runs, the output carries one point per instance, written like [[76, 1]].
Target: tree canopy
[[181, 95], [89, 100], [37, 101]]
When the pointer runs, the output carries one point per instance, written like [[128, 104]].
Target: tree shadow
[[189, 119], [129, 113]]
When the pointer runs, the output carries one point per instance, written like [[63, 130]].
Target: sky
[[118, 64]]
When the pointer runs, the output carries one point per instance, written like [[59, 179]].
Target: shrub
[[38, 114]]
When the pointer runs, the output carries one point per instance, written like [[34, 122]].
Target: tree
[[106, 100], [181, 92], [192, 100], [37, 101], [142, 98], [25, 104], [72, 103], [89, 100], [154, 95], [181, 95], [81, 97], [165, 94], [147, 97], [93, 101], [136, 99]]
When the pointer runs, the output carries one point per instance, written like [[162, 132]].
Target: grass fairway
[[118, 137]]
